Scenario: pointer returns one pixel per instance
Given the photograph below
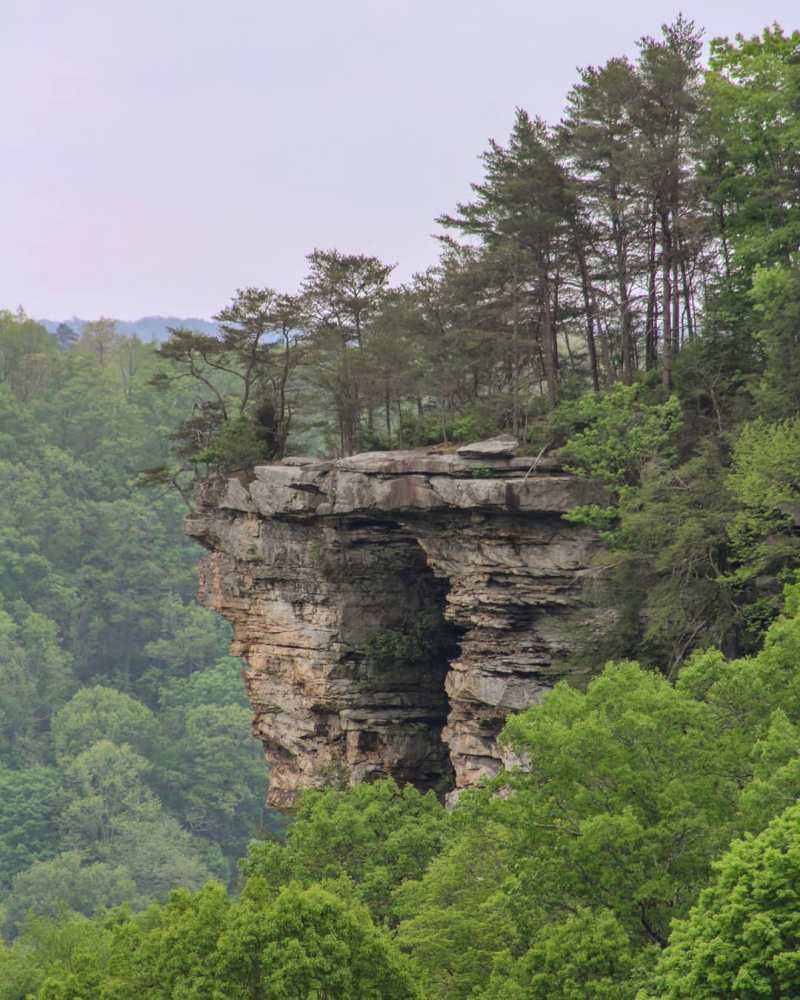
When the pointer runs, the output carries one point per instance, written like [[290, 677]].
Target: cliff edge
[[394, 607]]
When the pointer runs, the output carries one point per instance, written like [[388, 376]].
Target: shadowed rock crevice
[[393, 608], [341, 624]]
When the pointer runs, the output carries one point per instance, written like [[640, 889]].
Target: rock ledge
[[394, 607]]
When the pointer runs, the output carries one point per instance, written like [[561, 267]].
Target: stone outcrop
[[394, 607], [504, 446]]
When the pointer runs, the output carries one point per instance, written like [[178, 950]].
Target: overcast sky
[[155, 156]]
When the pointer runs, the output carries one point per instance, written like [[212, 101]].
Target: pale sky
[[156, 155]]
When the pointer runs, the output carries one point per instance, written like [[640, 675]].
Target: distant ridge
[[148, 328]]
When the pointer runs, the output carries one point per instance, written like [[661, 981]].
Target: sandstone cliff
[[394, 607]]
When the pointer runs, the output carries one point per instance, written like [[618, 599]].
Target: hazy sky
[[156, 155]]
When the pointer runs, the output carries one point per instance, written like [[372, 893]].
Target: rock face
[[394, 607]]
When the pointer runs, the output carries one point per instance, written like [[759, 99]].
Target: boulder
[[503, 446]]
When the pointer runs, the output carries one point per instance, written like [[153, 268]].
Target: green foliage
[[235, 446], [98, 713], [160, 854], [242, 384], [668, 527], [742, 938], [303, 943], [620, 440], [375, 835], [218, 684], [108, 668], [66, 883], [624, 772], [586, 957], [456, 917], [187, 647], [775, 294], [481, 472], [627, 794], [426, 639], [751, 87], [765, 479], [310, 941], [706, 543], [27, 353], [104, 787], [29, 804], [51, 945], [614, 436], [35, 678], [673, 532], [776, 772], [212, 777], [588, 871]]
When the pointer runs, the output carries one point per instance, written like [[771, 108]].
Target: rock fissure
[[394, 607]]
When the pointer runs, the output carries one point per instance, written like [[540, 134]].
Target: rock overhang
[[402, 482], [311, 560]]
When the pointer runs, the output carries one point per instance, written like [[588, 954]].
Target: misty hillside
[[147, 328]]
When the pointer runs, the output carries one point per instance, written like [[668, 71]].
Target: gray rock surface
[[496, 447], [315, 563]]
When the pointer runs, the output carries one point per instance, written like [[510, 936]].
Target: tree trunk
[[677, 332], [588, 306], [666, 301], [626, 333], [688, 300], [605, 343], [515, 407], [549, 346], [623, 287], [651, 327]]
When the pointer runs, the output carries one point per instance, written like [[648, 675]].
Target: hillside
[[147, 328]]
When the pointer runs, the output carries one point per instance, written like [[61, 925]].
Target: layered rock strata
[[394, 607]]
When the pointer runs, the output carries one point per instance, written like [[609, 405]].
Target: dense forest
[[125, 765], [622, 288]]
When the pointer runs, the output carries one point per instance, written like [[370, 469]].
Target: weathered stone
[[236, 496], [314, 563], [496, 447]]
